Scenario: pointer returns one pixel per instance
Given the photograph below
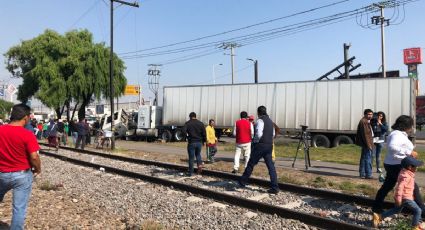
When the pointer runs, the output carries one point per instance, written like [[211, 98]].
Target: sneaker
[[273, 191], [376, 219], [379, 170], [369, 177], [235, 171]]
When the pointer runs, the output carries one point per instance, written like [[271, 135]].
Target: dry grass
[[48, 186], [151, 225]]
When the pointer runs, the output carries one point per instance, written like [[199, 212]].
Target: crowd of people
[[59, 132], [20, 162]]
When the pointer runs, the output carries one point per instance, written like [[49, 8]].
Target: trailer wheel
[[342, 140], [166, 136], [178, 135], [320, 140]]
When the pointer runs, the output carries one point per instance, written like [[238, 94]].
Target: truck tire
[[342, 140], [178, 135], [166, 136], [320, 140]]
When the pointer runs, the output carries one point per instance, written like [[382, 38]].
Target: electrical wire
[[246, 37], [238, 29], [261, 36], [84, 14]]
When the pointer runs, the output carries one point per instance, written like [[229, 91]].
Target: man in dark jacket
[[263, 146], [196, 137], [82, 130], [364, 139]]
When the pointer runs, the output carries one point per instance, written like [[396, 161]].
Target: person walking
[[82, 131], [73, 130], [61, 131], [19, 163], [211, 141], [403, 195], [398, 147], [65, 133], [380, 128], [243, 131], [263, 144], [196, 137], [40, 130], [52, 137], [364, 139]]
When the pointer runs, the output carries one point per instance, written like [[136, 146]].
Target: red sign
[[412, 56]]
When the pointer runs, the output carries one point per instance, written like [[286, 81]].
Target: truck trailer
[[331, 109]]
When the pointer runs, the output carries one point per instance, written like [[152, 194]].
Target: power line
[[247, 37], [239, 38], [238, 29], [84, 14], [261, 36]]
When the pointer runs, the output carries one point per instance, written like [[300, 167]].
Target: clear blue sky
[[301, 56]]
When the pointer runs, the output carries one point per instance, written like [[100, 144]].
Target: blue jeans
[[261, 151], [409, 204], [194, 150], [378, 149], [365, 168], [21, 184]]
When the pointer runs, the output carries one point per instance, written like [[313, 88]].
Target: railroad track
[[325, 194], [307, 218]]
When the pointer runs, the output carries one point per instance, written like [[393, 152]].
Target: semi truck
[[331, 109]]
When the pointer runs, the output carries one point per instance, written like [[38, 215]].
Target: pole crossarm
[[135, 4]]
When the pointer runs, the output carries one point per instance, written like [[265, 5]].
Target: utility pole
[[111, 67], [255, 69], [380, 20], [154, 73], [347, 65], [231, 46]]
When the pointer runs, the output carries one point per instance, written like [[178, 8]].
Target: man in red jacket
[[243, 131]]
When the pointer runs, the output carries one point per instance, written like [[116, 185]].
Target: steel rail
[[219, 196], [325, 194]]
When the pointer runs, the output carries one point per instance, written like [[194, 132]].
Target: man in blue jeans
[[263, 147], [364, 139], [196, 137], [19, 162]]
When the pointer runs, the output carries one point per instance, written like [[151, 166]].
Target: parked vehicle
[[330, 109], [120, 123]]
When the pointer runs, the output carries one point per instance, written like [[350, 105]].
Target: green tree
[[61, 70], [5, 108]]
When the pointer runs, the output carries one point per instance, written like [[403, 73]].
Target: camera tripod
[[304, 137]]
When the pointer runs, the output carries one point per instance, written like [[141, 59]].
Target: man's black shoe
[[242, 185], [273, 191]]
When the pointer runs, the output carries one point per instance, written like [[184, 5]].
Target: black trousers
[[389, 184], [81, 139]]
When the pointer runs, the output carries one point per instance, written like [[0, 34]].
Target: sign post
[[11, 89], [132, 90], [413, 57]]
